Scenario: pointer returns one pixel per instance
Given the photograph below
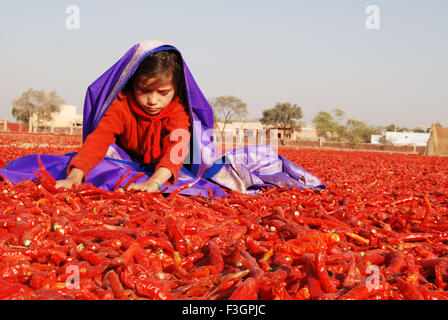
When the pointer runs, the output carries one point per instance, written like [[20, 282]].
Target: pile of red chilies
[[282, 244]]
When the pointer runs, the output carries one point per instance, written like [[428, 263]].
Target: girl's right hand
[[148, 186], [74, 178], [65, 184]]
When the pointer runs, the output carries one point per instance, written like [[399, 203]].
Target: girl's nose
[[152, 99]]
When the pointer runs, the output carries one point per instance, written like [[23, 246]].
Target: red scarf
[[153, 133]]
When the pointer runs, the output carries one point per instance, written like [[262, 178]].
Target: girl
[[141, 120]]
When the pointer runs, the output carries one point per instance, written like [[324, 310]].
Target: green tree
[[419, 130], [360, 132], [283, 116], [326, 125], [332, 127], [228, 108], [339, 114], [33, 103], [392, 127]]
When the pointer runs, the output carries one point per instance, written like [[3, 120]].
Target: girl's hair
[[163, 65]]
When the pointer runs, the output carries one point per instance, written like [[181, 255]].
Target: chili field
[[379, 232]]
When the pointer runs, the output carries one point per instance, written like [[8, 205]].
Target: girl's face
[[152, 95]]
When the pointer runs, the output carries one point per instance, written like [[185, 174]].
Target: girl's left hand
[[148, 186]]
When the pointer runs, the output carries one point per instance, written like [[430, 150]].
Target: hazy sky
[[317, 54]]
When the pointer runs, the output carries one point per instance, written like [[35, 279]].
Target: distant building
[[438, 142], [239, 130], [402, 138], [308, 133], [66, 117]]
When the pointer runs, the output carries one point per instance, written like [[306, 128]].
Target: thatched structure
[[438, 142]]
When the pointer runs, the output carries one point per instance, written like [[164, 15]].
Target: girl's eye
[[163, 93]]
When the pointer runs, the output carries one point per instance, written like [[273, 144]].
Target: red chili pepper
[[312, 280], [254, 247], [358, 238], [263, 262], [153, 241], [363, 291], [45, 177], [14, 289], [299, 249], [174, 193], [43, 279], [352, 276], [8, 183], [210, 193], [176, 236], [189, 260], [229, 280], [250, 263], [216, 258], [48, 198], [413, 271], [153, 290], [376, 259], [322, 273], [128, 255], [409, 291], [114, 281], [124, 177], [247, 291], [113, 243], [135, 177], [90, 189], [303, 294], [432, 295], [338, 268], [29, 236], [395, 262], [427, 213], [439, 279], [92, 257], [280, 293]]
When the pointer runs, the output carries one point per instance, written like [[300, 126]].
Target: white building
[[239, 130], [66, 117], [402, 138], [308, 133]]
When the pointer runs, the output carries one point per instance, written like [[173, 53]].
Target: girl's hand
[[65, 184], [148, 186], [74, 178]]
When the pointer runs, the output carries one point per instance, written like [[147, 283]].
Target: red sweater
[[146, 138]]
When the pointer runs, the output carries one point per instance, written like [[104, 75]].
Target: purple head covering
[[103, 91]]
